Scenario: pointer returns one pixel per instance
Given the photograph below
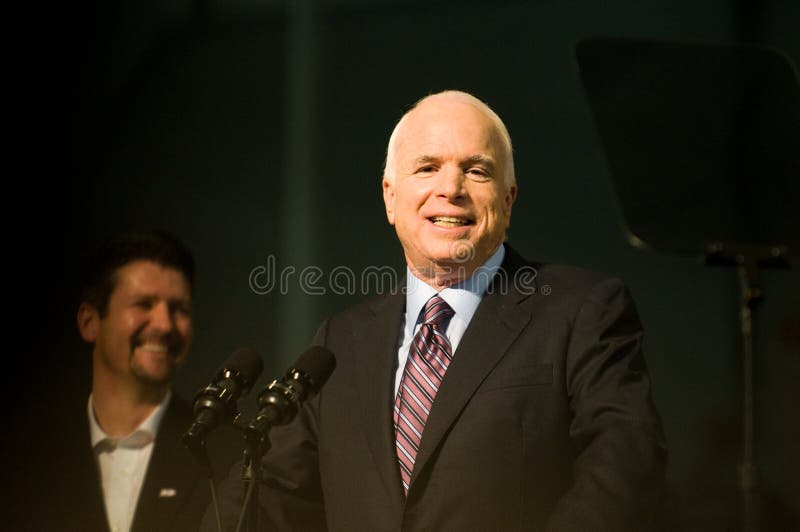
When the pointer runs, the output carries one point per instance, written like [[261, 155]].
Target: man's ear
[[388, 199], [508, 200], [88, 322], [511, 196]]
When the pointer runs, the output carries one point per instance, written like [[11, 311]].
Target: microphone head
[[246, 362], [317, 363]]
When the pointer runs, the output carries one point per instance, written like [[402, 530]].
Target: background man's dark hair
[[123, 248]]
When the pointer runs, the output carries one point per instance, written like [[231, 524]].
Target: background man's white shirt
[[123, 464]]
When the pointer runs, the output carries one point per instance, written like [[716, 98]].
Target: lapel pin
[[167, 493]]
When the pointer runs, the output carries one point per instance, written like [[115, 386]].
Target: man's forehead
[[437, 111], [432, 126], [147, 275]]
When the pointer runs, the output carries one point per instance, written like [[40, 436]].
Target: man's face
[[146, 332], [448, 202]]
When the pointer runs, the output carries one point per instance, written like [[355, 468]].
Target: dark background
[[252, 129]]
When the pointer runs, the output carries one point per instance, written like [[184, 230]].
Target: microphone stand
[[278, 405], [199, 450], [256, 445], [748, 260]]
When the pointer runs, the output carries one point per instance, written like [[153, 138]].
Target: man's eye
[[479, 172], [183, 310], [143, 304], [426, 169]]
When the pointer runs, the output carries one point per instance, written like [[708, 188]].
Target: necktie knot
[[436, 311]]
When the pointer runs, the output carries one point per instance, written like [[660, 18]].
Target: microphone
[[281, 399], [216, 403]]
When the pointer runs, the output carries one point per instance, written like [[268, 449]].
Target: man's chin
[[155, 380], [160, 374]]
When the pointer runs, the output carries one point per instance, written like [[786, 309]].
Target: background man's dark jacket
[[61, 489]]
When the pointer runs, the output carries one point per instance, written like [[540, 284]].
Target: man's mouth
[[167, 344], [150, 346], [450, 221]]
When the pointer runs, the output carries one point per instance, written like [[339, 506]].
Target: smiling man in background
[[137, 313], [118, 464]]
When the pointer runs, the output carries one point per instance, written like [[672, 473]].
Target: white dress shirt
[[123, 464], [463, 298]]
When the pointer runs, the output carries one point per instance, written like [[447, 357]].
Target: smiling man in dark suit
[[493, 394], [115, 463]]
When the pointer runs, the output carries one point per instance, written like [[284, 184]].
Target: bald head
[[448, 99]]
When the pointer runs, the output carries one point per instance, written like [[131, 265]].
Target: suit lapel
[[169, 479], [497, 322], [85, 470], [375, 371]]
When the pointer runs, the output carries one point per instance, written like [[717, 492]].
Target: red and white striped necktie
[[428, 358]]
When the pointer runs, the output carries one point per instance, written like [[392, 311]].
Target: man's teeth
[[447, 221], [155, 347]]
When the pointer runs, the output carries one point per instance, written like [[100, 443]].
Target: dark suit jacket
[[544, 420], [69, 497]]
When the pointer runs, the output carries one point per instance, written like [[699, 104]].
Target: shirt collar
[[463, 297], [143, 434]]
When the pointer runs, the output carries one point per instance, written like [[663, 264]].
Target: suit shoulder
[[386, 306], [573, 284], [372, 305], [179, 406], [575, 290], [178, 413], [566, 278], [572, 277]]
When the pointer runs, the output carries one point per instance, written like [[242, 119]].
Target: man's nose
[[161, 317], [451, 183]]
